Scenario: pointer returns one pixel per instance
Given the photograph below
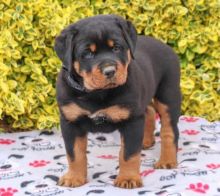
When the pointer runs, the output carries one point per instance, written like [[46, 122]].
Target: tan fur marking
[[76, 65], [96, 80], [72, 111], [149, 139], [168, 157], [92, 47], [129, 171], [129, 56], [121, 73], [110, 43], [77, 171], [115, 113], [122, 70]]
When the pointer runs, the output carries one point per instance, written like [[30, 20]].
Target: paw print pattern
[[190, 132], [213, 166], [189, 119], [199, 187], [7, 192], [107, 157], [147, 172], [157, 117], [179, 149], [6, 141], [40, 163]]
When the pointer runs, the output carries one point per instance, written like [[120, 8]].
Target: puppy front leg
[[76, 145], [129, 156]]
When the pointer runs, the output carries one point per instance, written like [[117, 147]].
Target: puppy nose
[[109, 72]]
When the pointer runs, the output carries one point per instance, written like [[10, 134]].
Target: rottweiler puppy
[[112, 79]]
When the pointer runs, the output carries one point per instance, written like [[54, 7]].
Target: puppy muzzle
[[108, 68]]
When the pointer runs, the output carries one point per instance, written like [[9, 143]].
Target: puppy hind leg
[[149, 128], [169, 114]]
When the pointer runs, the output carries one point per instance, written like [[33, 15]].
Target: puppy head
[[98, 50]]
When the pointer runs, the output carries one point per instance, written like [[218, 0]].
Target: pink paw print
[[6, 141], [189, 119], [179, 149], [147, 172], [190, 132], [7, 192], [107, 157], [213, 166], [41, 163], [199, 187], [157, 117]]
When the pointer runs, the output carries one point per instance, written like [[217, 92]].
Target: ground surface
[[31, 162]]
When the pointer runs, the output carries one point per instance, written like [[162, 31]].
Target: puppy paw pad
[[128, 183], [165, 165], [148, 144], [70, 180]]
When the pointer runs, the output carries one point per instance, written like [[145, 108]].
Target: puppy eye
[[116, 48], [88, 54]]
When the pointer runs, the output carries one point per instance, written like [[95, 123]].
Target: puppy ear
[[64, 46], [130, 34]]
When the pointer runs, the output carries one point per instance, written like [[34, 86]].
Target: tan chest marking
[[72, 111]]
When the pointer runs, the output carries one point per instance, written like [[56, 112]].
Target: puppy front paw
[[99, 118], [128, 182], [148, 143], [71, 180], [161, 164]]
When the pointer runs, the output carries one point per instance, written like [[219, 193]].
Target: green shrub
[[29, 66]]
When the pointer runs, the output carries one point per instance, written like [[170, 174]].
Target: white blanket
[[31, 162]]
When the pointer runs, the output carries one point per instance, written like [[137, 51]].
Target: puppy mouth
[[111, 85], [108, 85]]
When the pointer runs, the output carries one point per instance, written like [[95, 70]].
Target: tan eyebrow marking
[[72, 111], [92, 47], [110, 43]]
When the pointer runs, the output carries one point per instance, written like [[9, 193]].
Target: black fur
[[153, 72]]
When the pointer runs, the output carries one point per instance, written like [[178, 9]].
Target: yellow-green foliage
[[29, 66]]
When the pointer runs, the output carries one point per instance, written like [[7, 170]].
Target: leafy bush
[[29, 66]]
